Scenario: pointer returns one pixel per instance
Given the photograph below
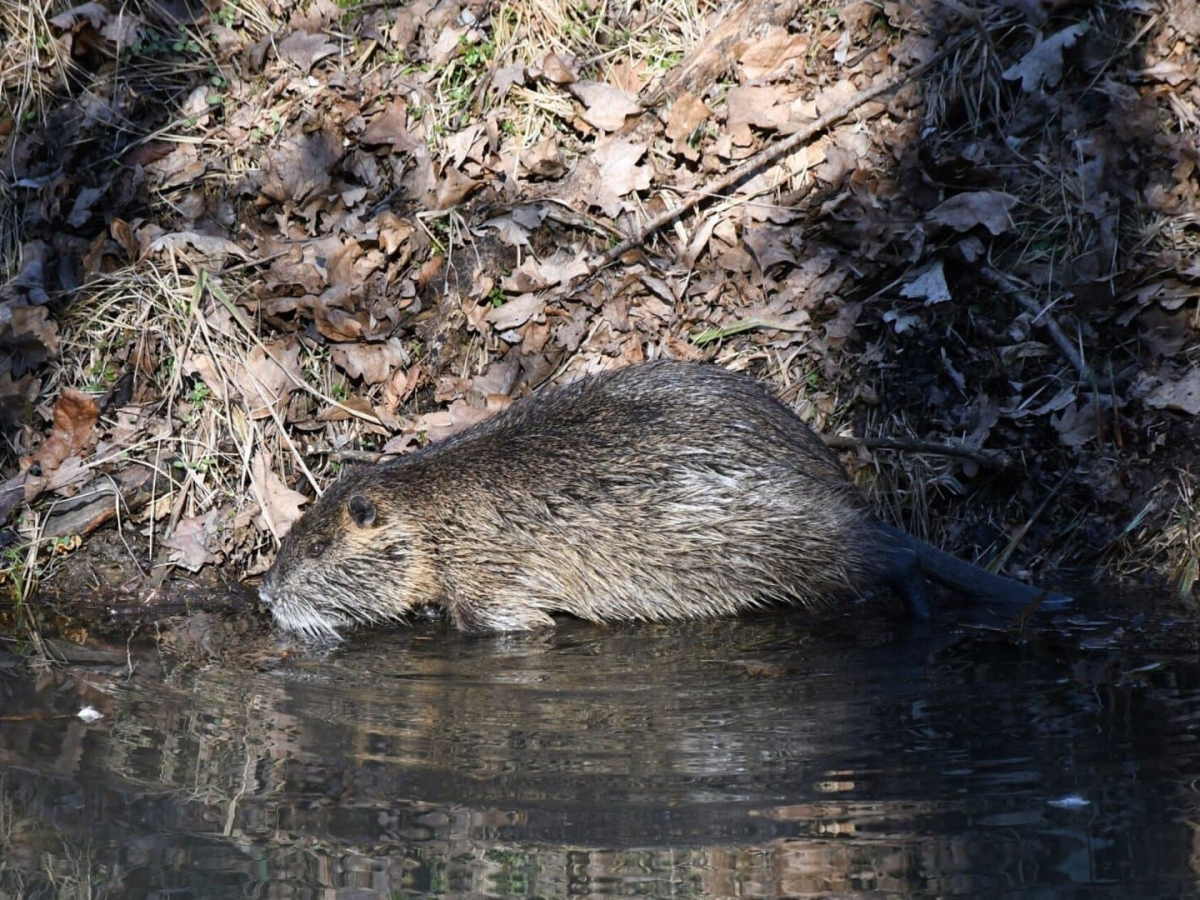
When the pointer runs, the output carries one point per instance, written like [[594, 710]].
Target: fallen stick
[[1041, 316], [769, 155], [996, 459]]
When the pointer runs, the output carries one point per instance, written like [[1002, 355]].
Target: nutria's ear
[[362, 511]]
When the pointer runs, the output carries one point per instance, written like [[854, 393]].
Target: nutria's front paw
[[497, 615]]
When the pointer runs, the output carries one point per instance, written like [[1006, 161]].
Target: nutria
[[665, 490]]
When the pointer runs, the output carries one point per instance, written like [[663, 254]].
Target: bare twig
[[1041, 316], [1020, 533], [996, 459], [768, 156]]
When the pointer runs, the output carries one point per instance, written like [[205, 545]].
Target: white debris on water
[[1071, 801]]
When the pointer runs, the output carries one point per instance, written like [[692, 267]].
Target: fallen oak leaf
[[1182, 395], [209, 246], [773, 56], [304, 50], [95, 14], [190, 540], [391, 127], [962, 212], [349, 408], [373, 363], [536, 274], [299, 168], [617, 173], [929, 285], [1044, 63], [688, 113], [516, 312], [556, 70], [280, 505], [505, 77], [269, 376], [605, 107], [75, 417], [441, 424], [29, 335]]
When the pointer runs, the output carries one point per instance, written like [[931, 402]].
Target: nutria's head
[[350, 560]]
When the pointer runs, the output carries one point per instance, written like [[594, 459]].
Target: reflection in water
[[763, 757]]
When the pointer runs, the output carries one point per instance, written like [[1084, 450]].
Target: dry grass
[[1164, 536], [157, 319]]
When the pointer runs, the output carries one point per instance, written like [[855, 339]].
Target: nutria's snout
[[300, 617]]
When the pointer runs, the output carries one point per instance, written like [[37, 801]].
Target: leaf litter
[[278, 239]]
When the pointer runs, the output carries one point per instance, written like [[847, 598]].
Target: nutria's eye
[[315, 549]]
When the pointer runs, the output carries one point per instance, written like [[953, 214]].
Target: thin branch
[[1041, 316], [769, 155], [996, 459]]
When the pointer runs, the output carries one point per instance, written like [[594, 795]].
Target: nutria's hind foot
[[902, 573]]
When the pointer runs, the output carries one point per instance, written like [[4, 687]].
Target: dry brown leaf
[[394, 232], [66, 480], [557, 71], [1182, 395], [181, 166], [516, 312], [506, 77], [605, 107], [535, 274], [443, 423], [834, 96], [763, 106], [373, 363], [1076, 424], [346, 410], [391, 127], [447, 46], [268, 377], [544, 159], [92, 13], [962, 212], [29, 285], [1163, 333], [209, 247], [190, 540], [202, 364], [843, 324], [1044, 63], [81, 210], [74, 429], [304, 50], [453, 188], [769, 246], [299, 167], [618, 173], [400, 387], [929, 285], [775, 56], [280, 505], [688, 113]]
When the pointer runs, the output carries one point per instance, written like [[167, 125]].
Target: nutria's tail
[[971, 580]]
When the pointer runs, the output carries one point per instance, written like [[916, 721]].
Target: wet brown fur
[[666, 490]]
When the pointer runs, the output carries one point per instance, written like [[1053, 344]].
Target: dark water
[[769, 756]]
